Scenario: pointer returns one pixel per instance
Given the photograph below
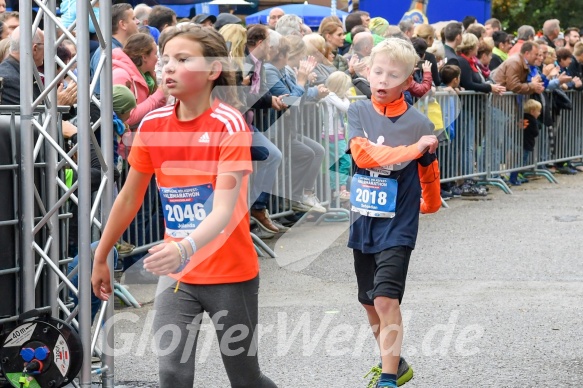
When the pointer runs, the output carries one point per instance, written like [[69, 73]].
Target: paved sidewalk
[[494, 299]]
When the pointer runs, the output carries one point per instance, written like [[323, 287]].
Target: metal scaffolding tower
[[43, 280]]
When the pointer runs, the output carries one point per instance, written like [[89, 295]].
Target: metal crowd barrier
[[487, 145], [569, 130], [314, 116], [485, 141]]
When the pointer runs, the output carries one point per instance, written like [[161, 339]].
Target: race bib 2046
[[185, 208]]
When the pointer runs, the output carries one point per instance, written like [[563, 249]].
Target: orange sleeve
[[235, 153], [430, 187], [368, 155], [139, 157]]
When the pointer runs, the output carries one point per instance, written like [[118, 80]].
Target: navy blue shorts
[[381, 274]]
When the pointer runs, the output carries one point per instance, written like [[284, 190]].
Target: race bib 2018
[[373, 196]]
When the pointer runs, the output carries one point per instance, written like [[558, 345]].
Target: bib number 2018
[[372, 197], [177, 213]]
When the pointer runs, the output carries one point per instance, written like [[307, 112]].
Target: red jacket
[[420, 89], [126, 73]]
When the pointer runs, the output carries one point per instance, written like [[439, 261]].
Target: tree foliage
[[515, 13]]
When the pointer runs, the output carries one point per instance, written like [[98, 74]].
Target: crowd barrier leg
[[261, 246]]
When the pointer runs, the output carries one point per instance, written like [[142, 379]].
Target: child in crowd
[[124, 102], [393, 148], [336, 107], [532, 110], [450, 76], [199, 151], [451, 82]]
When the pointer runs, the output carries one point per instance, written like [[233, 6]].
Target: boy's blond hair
[[339, 82], [532, 106], [398, 50]]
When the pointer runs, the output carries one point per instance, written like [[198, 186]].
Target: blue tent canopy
[[311, 14]]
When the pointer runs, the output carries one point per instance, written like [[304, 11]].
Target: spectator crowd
[[285, 67]]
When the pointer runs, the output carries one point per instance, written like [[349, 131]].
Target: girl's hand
[[246, 81], [100, 280], [164, 259]]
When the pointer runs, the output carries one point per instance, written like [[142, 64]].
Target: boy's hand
[[427, 143]]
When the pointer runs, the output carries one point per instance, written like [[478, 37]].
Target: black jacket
[[10, 74], [550, 43], [450, 56], [530, 131], [574, 70], [495, 62], [470, 80]]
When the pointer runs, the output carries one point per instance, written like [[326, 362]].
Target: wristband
[[181, 252], [184, 259], [192, 244]]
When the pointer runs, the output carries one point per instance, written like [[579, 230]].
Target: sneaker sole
[[406, 377], [263, 227]]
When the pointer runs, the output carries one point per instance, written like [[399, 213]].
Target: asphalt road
[[494, 299]]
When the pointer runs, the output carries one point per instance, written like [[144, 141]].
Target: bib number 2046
[[372, 197], [177, 213]]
